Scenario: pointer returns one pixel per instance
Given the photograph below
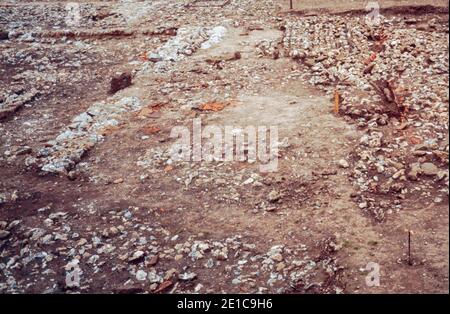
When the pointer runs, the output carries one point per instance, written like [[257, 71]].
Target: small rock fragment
[[274, 196], [4, 234], [137, 257], [343, 164], [187, 276], [141, 275], [429, 169]]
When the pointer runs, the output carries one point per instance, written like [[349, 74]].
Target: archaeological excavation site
[[263, 147]]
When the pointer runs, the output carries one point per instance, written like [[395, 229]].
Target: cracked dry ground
[[135, 221]]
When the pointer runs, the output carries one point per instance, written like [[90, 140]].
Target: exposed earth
[[93, 201]]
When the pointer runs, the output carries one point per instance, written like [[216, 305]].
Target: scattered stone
[[415, 171], [153, 277], [118, 181], [141, 275], [331, 65], [178, 257], [154, 57], [137, 257], [274, 196], [310, 62], [4, 234], [198, 288], [277, 257], [429, 169], [363, 205], [170, 274], [280, 267], [187, 276], [23, 150], [153, 261], [164, 286], [343, 164]]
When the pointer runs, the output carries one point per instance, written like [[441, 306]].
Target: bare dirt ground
[[88, 186]]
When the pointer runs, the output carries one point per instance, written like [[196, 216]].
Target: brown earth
[[315, 203]]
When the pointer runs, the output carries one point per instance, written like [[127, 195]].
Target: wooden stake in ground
[[336, 101], [409, 248], [291, 5]]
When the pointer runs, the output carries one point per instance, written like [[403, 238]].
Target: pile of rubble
[[86, 129], [187, 41], [151, 259], [392, 81], [12, 102]]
